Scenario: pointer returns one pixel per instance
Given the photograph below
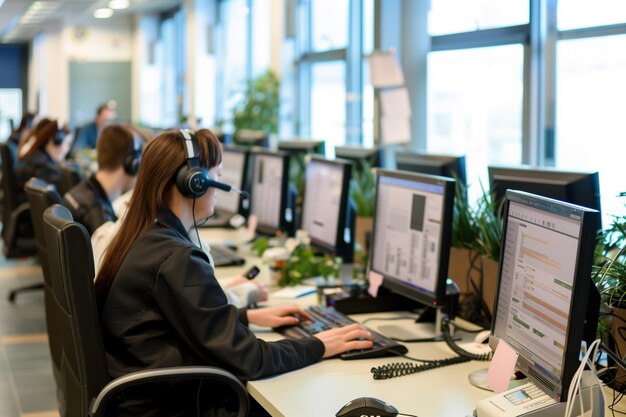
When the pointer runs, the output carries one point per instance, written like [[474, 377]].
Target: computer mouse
[[368, 406]]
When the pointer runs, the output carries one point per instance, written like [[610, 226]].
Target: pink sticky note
[[501, 367], [252, 223], [375, 279]]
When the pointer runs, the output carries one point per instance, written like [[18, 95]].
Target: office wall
[[56, 46], [13, 58]]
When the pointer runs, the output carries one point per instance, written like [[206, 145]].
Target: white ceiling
[[13, 29]]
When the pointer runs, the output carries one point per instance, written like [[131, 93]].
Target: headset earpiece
[[133, 159], [192, 180], [59, 136]]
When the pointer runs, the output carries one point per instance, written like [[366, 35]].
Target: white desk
[[322, 389]]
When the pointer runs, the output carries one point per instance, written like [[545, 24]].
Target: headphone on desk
[[133, 159]]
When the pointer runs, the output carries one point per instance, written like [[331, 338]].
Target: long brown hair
[[156, 180]]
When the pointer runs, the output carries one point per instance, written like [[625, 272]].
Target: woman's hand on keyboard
[[277, 316], [341, 339]]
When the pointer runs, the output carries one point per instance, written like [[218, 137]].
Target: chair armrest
[[98, 405]]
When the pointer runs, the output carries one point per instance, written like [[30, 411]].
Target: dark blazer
[[87, 137], [89, 204], [165, 308]]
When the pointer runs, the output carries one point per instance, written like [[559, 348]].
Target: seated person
[[159, 301], [239, 291], [118, 154], [41, 155], [26, 124], [88, 134]]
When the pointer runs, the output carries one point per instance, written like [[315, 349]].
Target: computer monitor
[[303, 146], [411, 236], [452, 166], [328, 216], [356, 154], [270, 198], [235, 173], [250, 138], [546, 303], [581, 188]]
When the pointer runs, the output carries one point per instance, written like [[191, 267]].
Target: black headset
[[133, 159], [192, 180], [59, 135]]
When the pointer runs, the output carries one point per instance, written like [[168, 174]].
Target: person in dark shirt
[[26, 125], [40, 156], [88, 133], [159, 300], [118, 153]]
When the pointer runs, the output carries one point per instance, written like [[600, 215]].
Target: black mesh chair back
[[77, 329]]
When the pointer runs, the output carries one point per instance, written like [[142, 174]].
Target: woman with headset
[[159, 301], [41, 154]]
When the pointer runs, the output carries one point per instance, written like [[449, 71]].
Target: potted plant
[[473, 265], [363, 195], [609, 276], [258, 110], [302, 262]]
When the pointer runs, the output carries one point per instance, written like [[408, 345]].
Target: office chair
[[40, 196], [77, 332], [70, 176], [17, 231]]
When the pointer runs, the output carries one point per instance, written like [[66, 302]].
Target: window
[[328, 101], [456, 16], [329, 31], [10, 109], [334, 102], [590, 124], [475, 107], [173, 64], [575, 14], [234, 68]]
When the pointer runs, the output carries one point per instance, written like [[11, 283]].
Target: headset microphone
[[227, 187]]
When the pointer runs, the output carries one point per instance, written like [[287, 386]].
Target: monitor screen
[[411, 234], [234, 163], [451, 166], [326, 193], [581, 188], [356, 154], [306, 146], [269, 191], [544, 286], [249, 138]]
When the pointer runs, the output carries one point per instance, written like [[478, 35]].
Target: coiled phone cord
[[406, 368]]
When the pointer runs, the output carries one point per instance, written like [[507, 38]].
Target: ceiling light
[[119, 4], [103, 13]]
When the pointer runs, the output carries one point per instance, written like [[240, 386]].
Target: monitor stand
[[427, 328], [478, 379]]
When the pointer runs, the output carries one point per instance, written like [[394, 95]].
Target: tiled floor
[[27, 387]]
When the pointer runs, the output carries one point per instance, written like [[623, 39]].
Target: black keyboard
[[223, 256], [325, 318]]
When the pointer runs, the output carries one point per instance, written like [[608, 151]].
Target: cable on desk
[[445, 329], [465, 329], [406, 368]]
